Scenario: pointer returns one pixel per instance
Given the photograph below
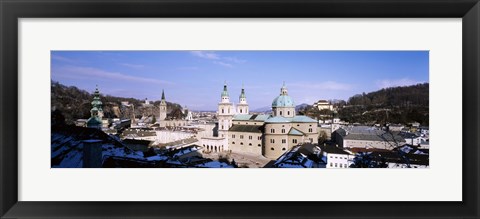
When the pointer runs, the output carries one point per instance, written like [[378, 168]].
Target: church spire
[[242, 94], [225, 92], [96, 113], [163, 95]]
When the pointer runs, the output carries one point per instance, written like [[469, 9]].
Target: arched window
[[280, 112], [240, 110], [272, 149], [288, 112], [223, 111]]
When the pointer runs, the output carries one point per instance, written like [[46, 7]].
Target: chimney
[[92, 153]]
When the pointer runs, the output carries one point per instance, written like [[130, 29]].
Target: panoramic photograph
[[240, 109]]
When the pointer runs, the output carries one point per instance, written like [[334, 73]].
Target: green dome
[[283, 101]]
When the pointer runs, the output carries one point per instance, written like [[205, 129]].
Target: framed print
[[239, 109]]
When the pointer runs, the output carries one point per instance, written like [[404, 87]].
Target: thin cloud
[[89, 72], [396, 82], [63, 59], [235, 60], [188, 68], [205, 55], [223, 64], [132, 65], [218, 59]]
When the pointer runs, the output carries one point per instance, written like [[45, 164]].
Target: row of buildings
[[276, 136]]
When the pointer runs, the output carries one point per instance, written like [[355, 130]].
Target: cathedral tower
[[242, 107], [163, 108], [225, 113]]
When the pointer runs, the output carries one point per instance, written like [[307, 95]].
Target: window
[[246, 123], [259, 145], [249, 144], [294, 141], [233, 142], [283, 130], [229, 110], [241, 143], [283, 149], [233, 136], [280, 112], [331, 164], [272, 141], [272, 149], [259, 137], [222, 126], [223, 111], [284, 141], [241, 136], [310, 130], [288, 112], [310, 125], [250, 137], [272, 130], [240, 110], [335, 164]]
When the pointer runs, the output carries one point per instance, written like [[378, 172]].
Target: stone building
[[367, 137], [266, 135]]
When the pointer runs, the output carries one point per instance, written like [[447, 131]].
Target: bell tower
[[225, 113], [163, 108], [242, 107]]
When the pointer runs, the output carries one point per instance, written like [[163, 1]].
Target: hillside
[[393, 105], [74, 103]]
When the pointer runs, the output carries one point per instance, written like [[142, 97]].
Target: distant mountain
[[301, 107], [265, 109]]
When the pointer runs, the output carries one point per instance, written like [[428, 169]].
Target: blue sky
[[196, 78]]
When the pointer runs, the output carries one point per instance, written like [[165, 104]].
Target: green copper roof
[[225, 92], [93, 121], [277, 119], [242, 117], [96, 103], [283, 101], [303, 119], [280, 119], [242, 95]]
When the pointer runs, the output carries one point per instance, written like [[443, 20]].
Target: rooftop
[[246, 128]]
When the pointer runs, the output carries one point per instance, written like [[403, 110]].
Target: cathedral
[[266, 135]]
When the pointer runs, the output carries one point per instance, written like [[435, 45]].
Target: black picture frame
[[12, 10]]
